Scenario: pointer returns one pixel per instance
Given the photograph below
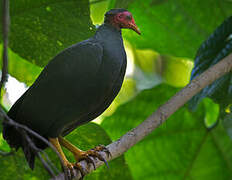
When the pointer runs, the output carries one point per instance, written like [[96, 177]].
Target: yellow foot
[[71, 167], [86, 155]]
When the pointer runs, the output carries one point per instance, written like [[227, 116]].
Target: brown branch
[[128, 140]]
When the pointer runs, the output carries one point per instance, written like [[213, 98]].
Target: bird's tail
[[15, 140]]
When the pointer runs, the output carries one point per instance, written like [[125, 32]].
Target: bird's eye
[[128, 17], [120, 16]]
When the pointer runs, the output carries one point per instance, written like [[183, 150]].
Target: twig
[[5, 30], [37, 152], [132, 137], [3, 153], [21, 127], [45, 164], [49, 162]]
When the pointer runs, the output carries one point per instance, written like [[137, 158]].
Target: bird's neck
[[108, 32]]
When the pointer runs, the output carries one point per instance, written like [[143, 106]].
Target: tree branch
[[132, 137]]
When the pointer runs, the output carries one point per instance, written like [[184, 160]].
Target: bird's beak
[[134, 27]]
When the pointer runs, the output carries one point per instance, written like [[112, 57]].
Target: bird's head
[[121, 18]]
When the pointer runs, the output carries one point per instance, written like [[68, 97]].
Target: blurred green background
[[159, 64]]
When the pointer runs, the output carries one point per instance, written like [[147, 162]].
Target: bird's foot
[[95, 153], [70, 169]]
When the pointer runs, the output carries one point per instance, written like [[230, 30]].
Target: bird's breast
[[113, 60]]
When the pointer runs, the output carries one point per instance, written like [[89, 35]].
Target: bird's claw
[[95, 153], [78, 166], [104, 149], [70, 169], [88, 157]]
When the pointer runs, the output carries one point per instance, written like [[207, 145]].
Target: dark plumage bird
[[74, 88]]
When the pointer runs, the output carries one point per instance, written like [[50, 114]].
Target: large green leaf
[[182, 148], [21, 69], [175, 27], [42, 28], [85, 137]]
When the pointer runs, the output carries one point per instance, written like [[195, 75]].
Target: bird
[[74, 88]]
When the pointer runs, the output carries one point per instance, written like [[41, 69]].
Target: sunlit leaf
[[211, 118], [23, 70], [97, 10], [176, 71]]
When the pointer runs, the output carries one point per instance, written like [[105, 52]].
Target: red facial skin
[[125, 20]]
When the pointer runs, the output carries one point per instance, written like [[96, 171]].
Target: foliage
[[176, 28], [190, 145], [182, 148], [216, 47]]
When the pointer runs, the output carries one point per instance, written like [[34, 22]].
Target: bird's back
[[74, 88]]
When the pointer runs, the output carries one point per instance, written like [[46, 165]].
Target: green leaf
[[211, 118], [171, 66], [21, 69], [176, 28], [181, 148], [85, 137], [97, 10], [40, 29]]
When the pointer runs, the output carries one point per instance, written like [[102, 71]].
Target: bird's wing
[[63, 80]]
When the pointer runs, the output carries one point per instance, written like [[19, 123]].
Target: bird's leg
[[73, 149], [84, 155], [67, 164]]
